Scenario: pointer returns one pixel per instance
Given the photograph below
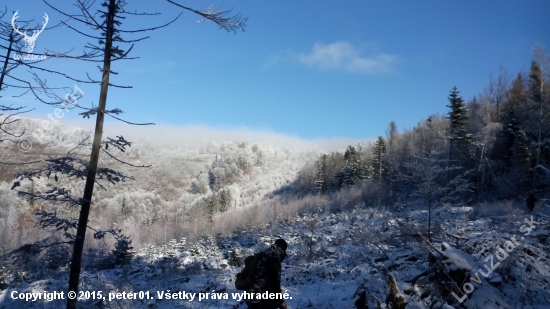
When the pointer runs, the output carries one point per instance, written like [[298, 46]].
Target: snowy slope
[[351, 251]]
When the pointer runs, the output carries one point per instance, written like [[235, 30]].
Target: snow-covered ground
[[333, 257]]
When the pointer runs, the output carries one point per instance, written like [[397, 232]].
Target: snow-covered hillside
[[336, 260], [180, 182]]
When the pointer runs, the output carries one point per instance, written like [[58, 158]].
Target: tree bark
[[74, 275], [4, 69]]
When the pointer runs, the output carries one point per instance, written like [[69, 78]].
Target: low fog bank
[[184, 136]]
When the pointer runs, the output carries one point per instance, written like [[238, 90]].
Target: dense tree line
[[499, 142]]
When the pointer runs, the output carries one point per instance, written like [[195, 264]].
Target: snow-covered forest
[[453, 213], [353, 219]]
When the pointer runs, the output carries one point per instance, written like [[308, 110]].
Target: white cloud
[[339, 56], [180, 136], [190, 136], [170, 136]]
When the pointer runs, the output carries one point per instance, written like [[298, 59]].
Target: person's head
[[281, 243]]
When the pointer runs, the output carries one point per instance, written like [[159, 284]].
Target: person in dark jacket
[[267, 277], [531, 200]]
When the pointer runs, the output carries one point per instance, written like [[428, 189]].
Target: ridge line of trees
[[499, 142]]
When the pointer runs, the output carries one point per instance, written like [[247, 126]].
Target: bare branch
[[55, 195], [35, 248], [65, 14], [6, 120], [154, 28], [81, 144], [80, 32], [50, 219], [123, 162], [19, 163], [221, 18], [132, 123]]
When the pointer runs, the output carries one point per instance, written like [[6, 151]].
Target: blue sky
[[310, 69]]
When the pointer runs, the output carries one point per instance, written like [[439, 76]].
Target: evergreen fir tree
[[380, 165], [353, 165], [210, 208], [512, 148], [459, 140], [522, 156], [536, 80], [320, 185], [352, 171], [517, 154], [516, 96], [379, 158], [123, 252], [224, 200]]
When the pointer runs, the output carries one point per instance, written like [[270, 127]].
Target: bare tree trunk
[[429, 220], [450, 158], [540, 123], [74, 275], [391, 133], [380, 184], [176, 229], [543, 60], [481, 170], [6, 61]]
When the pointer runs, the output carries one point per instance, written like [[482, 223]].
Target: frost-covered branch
[[220, 17]]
